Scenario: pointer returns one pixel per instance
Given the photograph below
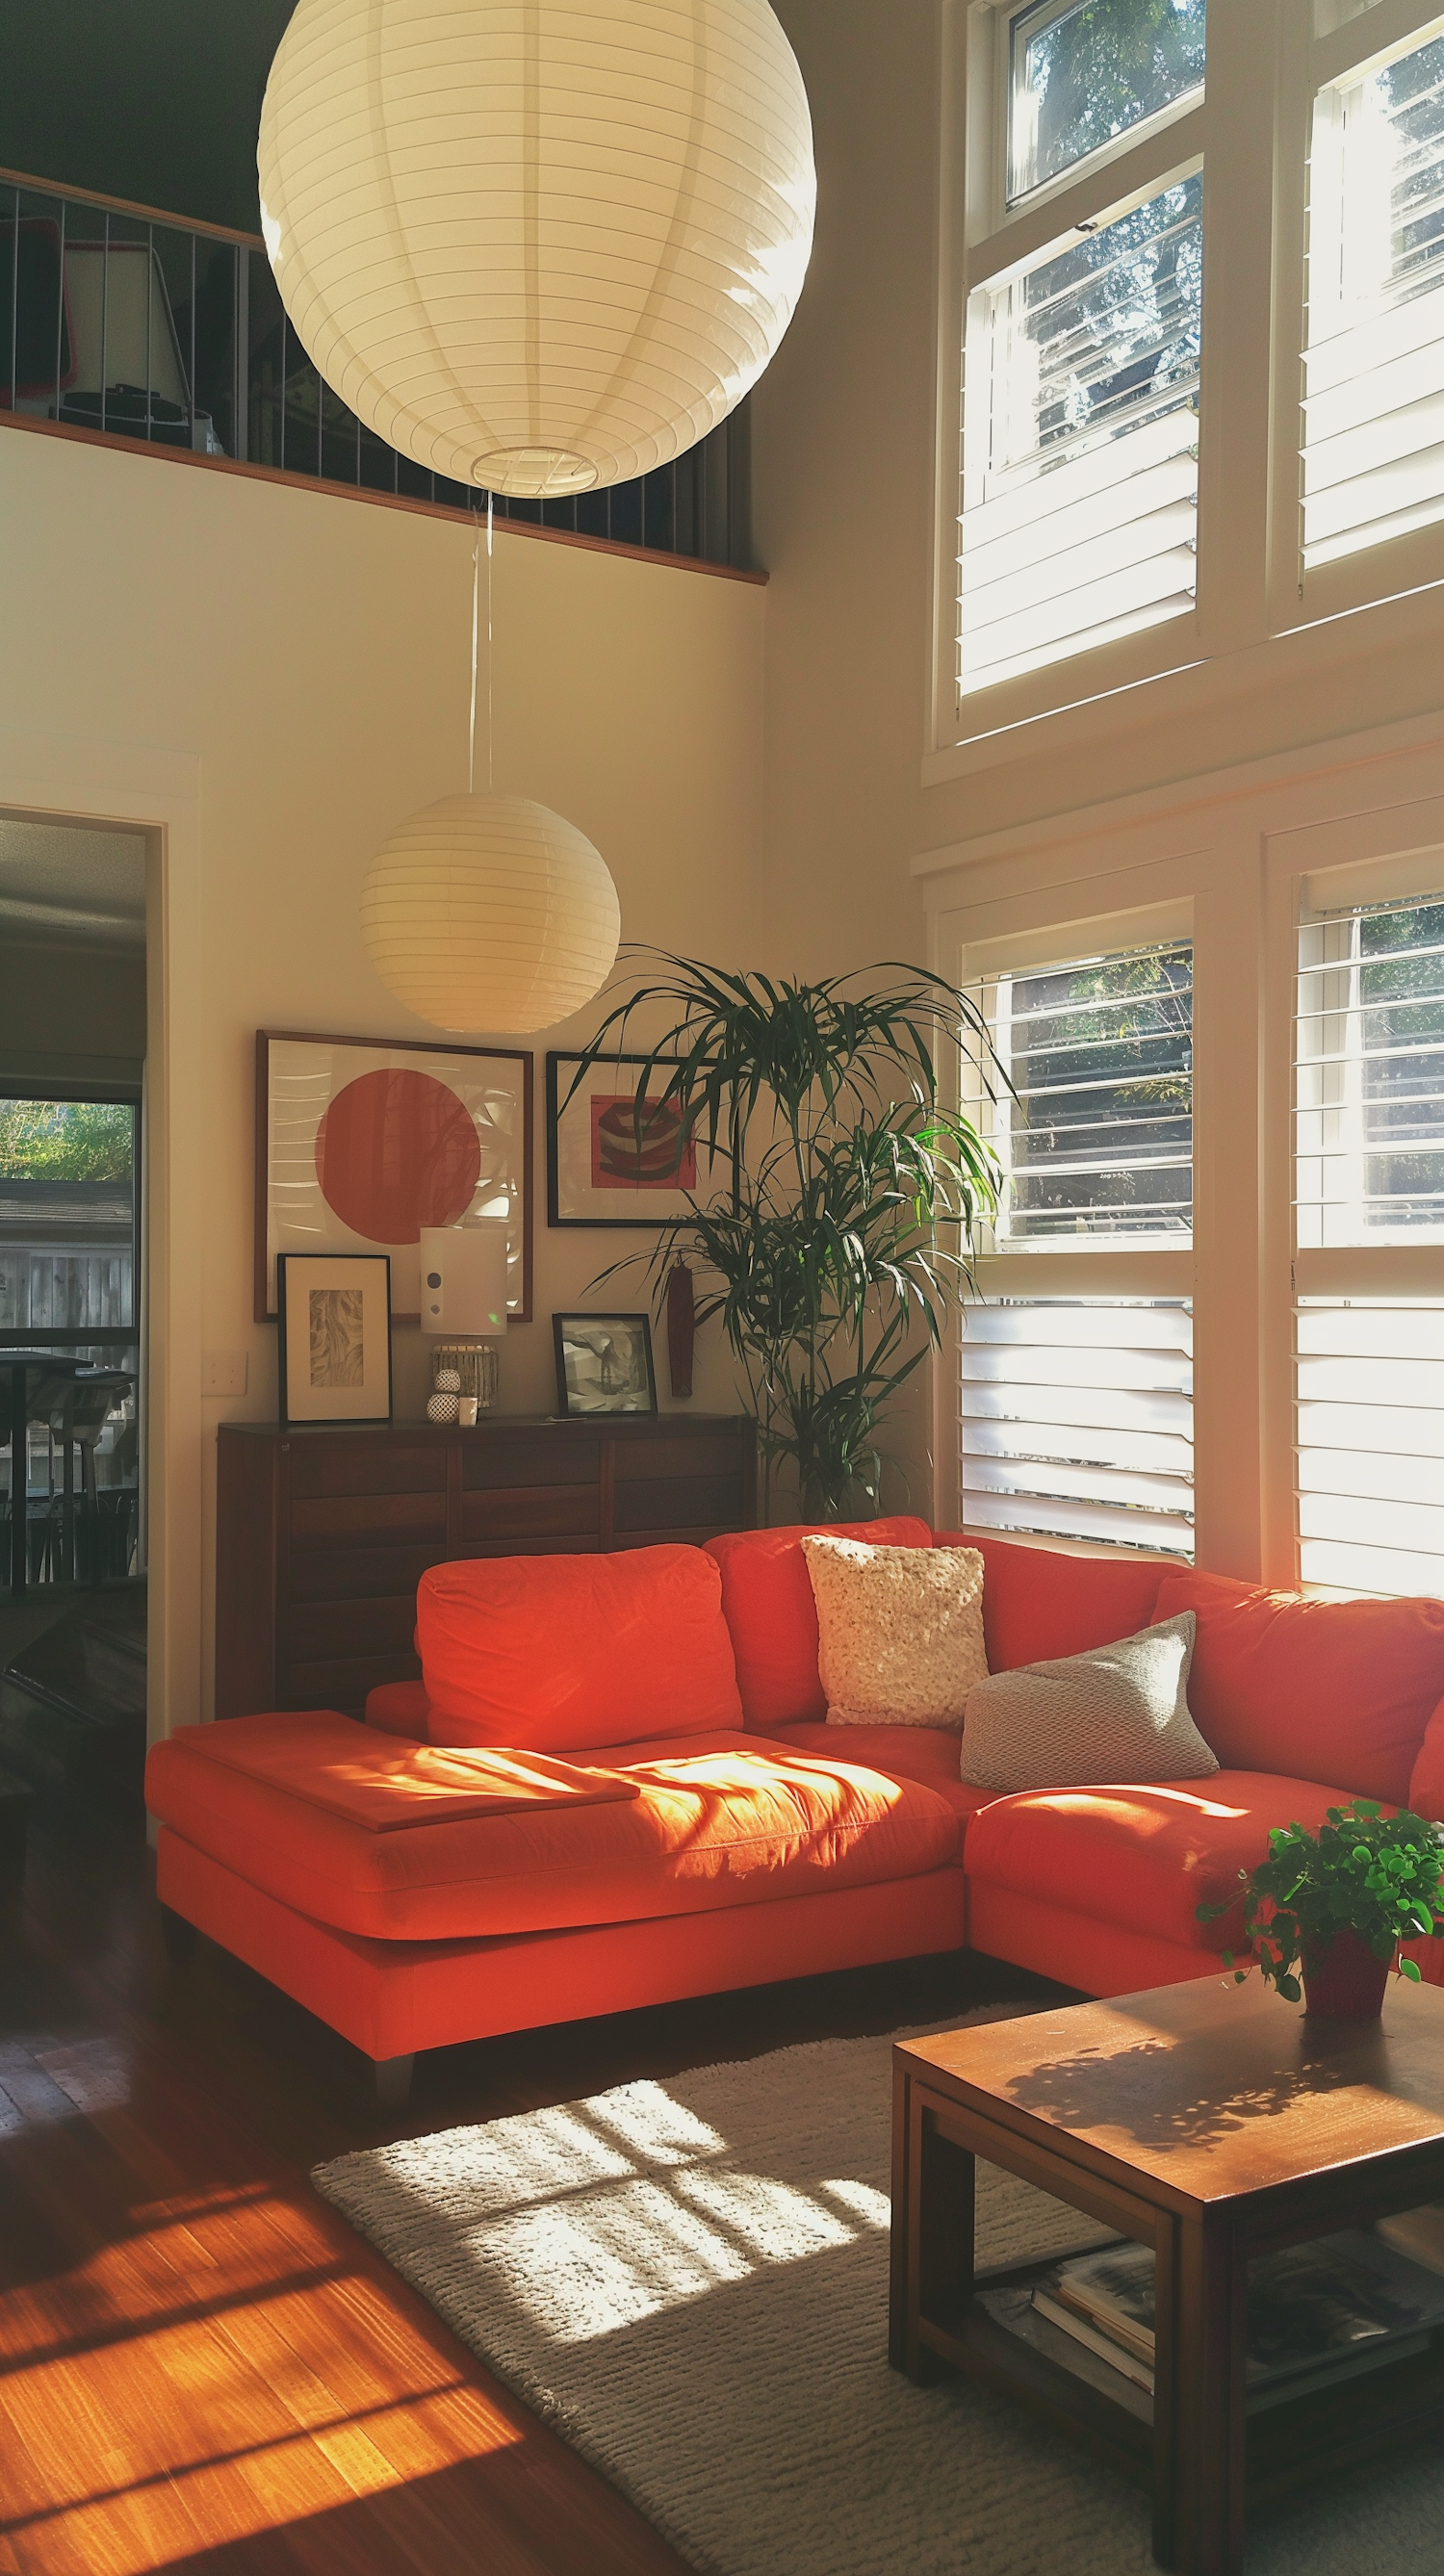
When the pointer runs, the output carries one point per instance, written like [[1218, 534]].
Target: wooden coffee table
[[1214, 2123]]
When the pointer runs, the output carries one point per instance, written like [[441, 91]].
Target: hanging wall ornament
[[681, 1327], [538, 245]]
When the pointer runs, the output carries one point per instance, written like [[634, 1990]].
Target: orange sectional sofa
[[615, 1786]]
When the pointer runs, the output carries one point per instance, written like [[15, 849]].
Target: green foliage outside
[[66, 1140], [1099, 69], [1363, 1872]]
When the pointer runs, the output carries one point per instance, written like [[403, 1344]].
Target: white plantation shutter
[[1373, 449], [1077, 1409], [1371, 1444], [1081, 452], [1369, 1081], [1369, 1181], [1078, 1420]]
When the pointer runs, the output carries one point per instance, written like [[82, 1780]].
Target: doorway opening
[[72, 1339]]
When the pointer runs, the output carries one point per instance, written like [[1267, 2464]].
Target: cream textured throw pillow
[[1118, 1713], [900, 1631]]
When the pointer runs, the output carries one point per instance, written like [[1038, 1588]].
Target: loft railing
[[130, 324]]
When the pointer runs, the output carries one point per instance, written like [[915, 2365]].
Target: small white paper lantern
[[538, 245], [490, 913]]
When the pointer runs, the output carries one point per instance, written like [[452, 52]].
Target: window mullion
[[1238, 225]]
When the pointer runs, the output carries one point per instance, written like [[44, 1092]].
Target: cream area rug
[[689, 2281]]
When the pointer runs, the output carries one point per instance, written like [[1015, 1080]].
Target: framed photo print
[[605, 1166], [604, 1364], [359, 1144], [335, 1336]]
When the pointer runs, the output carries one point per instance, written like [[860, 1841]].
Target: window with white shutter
[[1077, 1407], [1373, 445], [1369, 1186], [1080, 459]]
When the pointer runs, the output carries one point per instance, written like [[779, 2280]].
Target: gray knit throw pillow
[[1119, 1713]]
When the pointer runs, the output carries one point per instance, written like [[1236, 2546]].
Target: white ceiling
[[68, 884]]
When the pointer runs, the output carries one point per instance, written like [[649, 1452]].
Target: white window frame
[[1047, 1267], [1379, 857], [1257, 612]]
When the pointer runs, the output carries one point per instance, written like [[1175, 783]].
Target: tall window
[[1081, 372], [1369, 1177], [1157, 472], [1077, 1409]]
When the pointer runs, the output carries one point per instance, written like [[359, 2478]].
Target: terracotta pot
[[1348, 1982]]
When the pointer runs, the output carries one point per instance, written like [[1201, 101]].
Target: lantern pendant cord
[[475, 637]]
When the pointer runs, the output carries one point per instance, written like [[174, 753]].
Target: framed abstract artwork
[[604, 1166], [604, 1364], [360, 1143], [335, 1336]]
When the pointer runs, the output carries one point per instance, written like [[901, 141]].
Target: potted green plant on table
[[1326, 1912], [841, 1236]]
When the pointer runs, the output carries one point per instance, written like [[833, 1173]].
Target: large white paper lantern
[[490, 913], [538, 245]]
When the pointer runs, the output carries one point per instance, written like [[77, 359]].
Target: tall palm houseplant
[[850, 1192]]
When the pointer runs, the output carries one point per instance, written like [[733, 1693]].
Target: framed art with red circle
[[360, 1143]]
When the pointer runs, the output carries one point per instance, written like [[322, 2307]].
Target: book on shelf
[[1071, 2322], [1419, 2233], [1317, 2312]]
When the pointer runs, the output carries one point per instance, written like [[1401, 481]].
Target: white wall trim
[[1317, 766], [85, 778]]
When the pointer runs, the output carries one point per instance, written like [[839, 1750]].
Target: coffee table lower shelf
[[1291, 2446]]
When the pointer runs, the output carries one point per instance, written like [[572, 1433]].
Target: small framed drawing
[[360, 1143], [335, 1336], [604, 1364], [607, 1166]]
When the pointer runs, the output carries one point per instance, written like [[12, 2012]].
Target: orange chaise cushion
[[1142, 1858], [767, 1598], [1039, 1603], [705, 1822], [558, 1653], [1342, 1690], [386, 1786]]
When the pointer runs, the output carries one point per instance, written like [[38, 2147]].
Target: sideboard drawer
[[365, 1519], [529, 1511], [370, 1467]]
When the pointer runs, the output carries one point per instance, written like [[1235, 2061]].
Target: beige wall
[[305, 660]]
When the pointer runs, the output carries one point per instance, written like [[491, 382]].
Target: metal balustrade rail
[[132, 324]]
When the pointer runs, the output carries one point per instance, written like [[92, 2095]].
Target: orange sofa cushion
[[558, 1653], [1426, 1780], [387, 1787], [1039, 1604], [767, 1599], [927, 1753], [716, 1820], [399, 1708], [1288, 1684], [1142, 1858]]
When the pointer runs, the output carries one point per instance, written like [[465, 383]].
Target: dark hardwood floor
[[200, 2365]]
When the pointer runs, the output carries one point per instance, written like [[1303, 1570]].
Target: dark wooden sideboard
[[323, 1533]]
